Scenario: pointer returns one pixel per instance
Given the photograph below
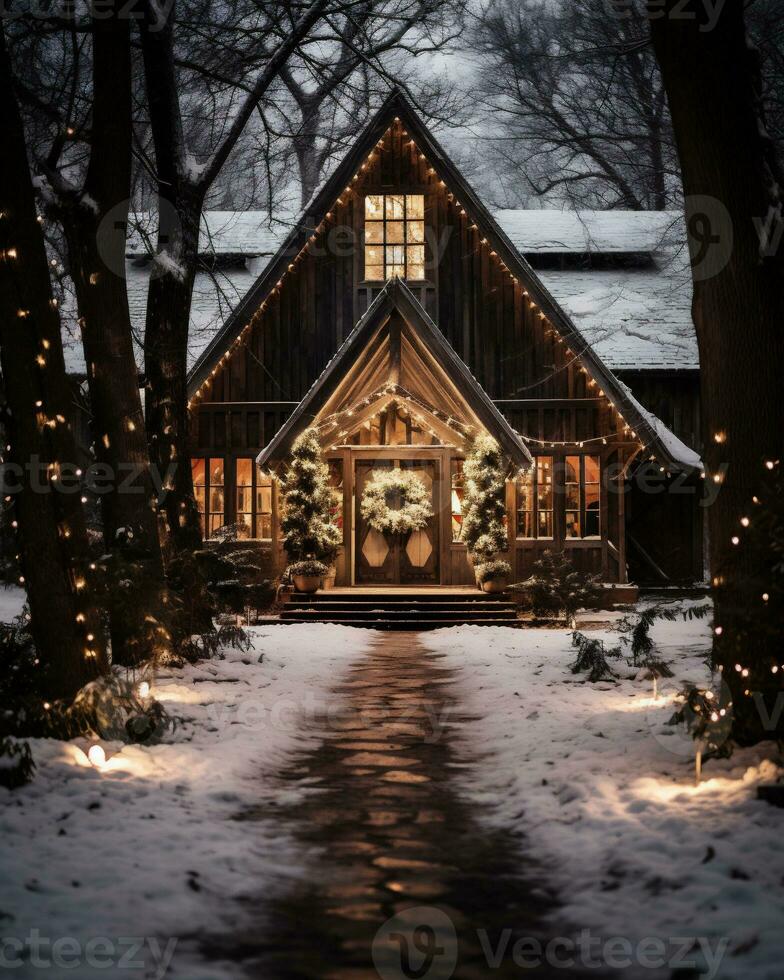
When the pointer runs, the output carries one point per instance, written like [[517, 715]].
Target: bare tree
[[182, 185], [336, 85], [577, 106], [732, 182], [53, 538]]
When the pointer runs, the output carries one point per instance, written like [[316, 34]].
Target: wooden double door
[[384, 559]]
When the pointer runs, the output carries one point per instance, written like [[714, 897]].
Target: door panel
[[391, 559]]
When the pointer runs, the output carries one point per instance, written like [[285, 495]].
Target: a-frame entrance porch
[[397, 398]]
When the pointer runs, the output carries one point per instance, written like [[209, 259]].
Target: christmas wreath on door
[[396, 502]]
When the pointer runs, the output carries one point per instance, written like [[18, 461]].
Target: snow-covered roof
[[221, 233], [605, 232], [635, 317]]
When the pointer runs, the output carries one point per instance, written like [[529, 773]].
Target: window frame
[[230, 513], [206, 515], [533, 477], [582, 508], [385, 243], [255, 485]]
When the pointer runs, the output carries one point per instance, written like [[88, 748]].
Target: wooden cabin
[[400, 321]]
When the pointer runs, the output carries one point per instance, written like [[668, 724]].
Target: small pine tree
[[308, 528], [558, 587], [484, 505]]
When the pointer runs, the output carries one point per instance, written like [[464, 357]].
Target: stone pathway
[[405, 882]]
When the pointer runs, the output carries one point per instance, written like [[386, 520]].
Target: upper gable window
[[394, 236]]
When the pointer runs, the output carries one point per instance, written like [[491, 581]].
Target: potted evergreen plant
[[307, 574], [493, 576], [310, 536]]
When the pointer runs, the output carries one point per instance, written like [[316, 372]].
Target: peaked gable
[[510, 269], [396, 354]]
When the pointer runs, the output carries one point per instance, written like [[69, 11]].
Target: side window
[[535, 500]]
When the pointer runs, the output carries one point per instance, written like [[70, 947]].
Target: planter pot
[[307, 583], [328, 582], [494, 585]]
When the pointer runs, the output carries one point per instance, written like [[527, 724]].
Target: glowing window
[[208, 489], [253, 501], [394, 236], [583, 496], [535, 500]]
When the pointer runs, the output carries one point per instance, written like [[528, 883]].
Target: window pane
[[525, 524], [216, 473], [396, 270], [396, 254], [374, 255], [572, 469], [592, 469], [592, 504], [198, 472], [244, 500], [374, 206], [264, 498], [416, 254], [374, 232], [415, 206], [374, 272], [525, 505], [263, 507], [415, 231], [545, 525], [544, 478], [394, 206], [395, 231], [573, 524], [244, 472]]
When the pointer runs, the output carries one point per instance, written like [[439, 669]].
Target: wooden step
[[408, 625], [401, 609]]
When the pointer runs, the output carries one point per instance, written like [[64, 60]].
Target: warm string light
[[391, 391]]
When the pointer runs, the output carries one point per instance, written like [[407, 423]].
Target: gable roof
[[396, 106], [465, 389]]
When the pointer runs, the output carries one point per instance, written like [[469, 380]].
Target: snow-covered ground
[[119, 862], [603, 792]]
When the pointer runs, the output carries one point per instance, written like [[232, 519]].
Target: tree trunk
[[53, 537], [731, 182], [95, 226], [170, 293], [166, 368]]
